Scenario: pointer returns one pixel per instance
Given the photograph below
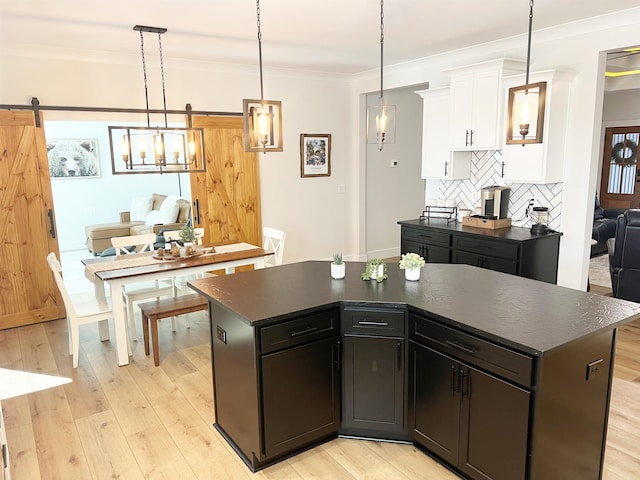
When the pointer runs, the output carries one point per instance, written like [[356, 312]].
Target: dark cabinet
[[277, 387], [374, 373], [469, 417], [433, 246], [472, 420], [300, 395], [512, 250]]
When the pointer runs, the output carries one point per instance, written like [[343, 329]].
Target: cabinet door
[[438, 160], [300, 396], [475, 104], [483, 261], [431, 253], [434, 400], [373, 385], [486, 90], [494, 426]]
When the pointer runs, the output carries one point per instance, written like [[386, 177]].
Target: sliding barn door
[[226, 198], [27, 229]]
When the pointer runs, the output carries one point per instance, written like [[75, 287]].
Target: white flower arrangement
[[409, 261]]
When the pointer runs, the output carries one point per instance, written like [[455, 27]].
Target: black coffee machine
[[494, 202]]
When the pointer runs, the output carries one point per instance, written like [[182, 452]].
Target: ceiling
[[338, 36]]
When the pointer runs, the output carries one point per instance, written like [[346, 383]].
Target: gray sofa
[[99, 236]]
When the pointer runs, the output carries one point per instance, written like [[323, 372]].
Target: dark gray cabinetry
[[511, 250], [433, 246], [469, 417], [493, 255], [374, 373], [277, 387]]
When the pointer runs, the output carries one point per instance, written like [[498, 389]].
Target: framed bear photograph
[[70, 158]]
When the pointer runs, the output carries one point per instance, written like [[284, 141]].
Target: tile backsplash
[[486, 171]]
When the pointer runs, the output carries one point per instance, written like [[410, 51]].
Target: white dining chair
[[144, 290], [273, 241], [80, 311]]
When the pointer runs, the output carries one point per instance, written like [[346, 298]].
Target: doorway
[[620, 184]]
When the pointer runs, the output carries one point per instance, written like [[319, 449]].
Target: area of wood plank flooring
[[141, 421]]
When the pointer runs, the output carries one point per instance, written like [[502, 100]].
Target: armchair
[[624, 256], [604, 227]]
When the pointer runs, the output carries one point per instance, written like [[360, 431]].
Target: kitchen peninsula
[[495, 375]]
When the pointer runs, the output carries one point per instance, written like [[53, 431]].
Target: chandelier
[[262, 118], [158, 149]]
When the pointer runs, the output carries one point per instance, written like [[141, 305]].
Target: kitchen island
[[498, 376]]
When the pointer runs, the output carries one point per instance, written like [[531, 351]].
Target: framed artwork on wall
[[315, 155], [73, 158]]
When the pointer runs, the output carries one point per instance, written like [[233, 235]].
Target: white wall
[[310, 210], [319, 220], [578, 47], [88, 200], [394, 193]]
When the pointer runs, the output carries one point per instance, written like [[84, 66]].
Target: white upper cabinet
[[438, 160], [476, 104], [540, 162]]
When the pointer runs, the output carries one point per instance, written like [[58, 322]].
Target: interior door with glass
[[620, 187]]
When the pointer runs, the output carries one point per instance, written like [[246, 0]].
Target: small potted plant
[[411, 264], [376, 269], [187, 234], [337, 266]]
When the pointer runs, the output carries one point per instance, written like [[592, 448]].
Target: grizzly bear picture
[[73, 158]]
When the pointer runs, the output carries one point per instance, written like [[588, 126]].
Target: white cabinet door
[[476, 104], [461, 111], [540, 162], [438, 161]]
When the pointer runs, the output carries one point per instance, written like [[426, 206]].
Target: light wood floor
[[141, 421]]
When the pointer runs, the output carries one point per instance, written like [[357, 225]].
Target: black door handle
[[52, 224], [196, 205], [399, 350]]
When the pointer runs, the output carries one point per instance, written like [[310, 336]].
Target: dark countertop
[[518, 234], [531, 316]]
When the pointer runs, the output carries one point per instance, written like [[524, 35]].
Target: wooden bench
[[163, 308]]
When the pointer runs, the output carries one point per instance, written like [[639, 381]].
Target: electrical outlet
[[221, 334], [593, 368]]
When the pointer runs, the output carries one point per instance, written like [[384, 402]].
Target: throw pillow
[[169, 210], [153, 218], [140, 208]]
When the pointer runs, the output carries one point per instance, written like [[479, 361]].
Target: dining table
[[121, 270]]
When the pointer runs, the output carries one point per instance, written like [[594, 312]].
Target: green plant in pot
[[376, 269], [411, 263], [187, 234], [337, 267]]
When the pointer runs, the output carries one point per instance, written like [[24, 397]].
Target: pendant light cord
[[381, 44], [260, 48], [144, 73], [164, 95], [529, 41]]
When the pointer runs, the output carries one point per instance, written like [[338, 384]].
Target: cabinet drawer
[[498, 360], [427, 235], [301, 330], [430, 253], [373, 321], [508, 251]]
